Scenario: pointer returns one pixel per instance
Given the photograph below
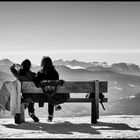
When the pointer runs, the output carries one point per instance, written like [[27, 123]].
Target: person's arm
[[13, 70], [16, 73]]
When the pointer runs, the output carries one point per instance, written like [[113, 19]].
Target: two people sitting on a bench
[[47, 72]]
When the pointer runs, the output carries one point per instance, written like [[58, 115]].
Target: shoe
[[50, 118], [58, 107], [34, 117]]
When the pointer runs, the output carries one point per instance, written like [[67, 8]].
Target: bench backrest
[[66, 87]]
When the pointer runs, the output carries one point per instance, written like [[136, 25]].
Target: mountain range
[[123, 85]]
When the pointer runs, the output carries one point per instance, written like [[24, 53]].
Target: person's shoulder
[[39, 74]]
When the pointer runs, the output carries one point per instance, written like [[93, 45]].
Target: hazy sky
[[86, 31]]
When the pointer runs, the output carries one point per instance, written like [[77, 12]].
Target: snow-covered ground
[[115, 126]]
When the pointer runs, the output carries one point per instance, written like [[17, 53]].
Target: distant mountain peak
[[6, 61], [74, 60]]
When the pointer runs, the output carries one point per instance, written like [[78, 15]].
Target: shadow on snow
[[68, 127]]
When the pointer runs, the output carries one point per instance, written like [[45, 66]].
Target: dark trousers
[[31, 108], [55, 100], [29, 99], [58, 98], [50, 109]]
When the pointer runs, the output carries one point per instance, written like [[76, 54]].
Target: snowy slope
[[108, 127]]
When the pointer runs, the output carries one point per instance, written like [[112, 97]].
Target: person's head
[[46, 61], [46, 64], [26, 64]]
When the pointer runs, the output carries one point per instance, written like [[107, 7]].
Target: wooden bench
[[93, 87]]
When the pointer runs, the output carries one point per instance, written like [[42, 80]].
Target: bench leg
[[19, 118], [93, 113], [22, 116], [95, 104]]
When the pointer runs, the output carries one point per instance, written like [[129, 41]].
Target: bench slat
[[83, 100], [67, 87], [38, 98]]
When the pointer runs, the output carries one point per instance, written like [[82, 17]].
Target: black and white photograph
[[70, 69]]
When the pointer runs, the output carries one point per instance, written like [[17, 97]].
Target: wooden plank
[[67, 87], [77, 100], [83, 100], [38, 98]]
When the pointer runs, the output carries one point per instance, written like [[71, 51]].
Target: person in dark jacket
[[23, 73], [48, 72]]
